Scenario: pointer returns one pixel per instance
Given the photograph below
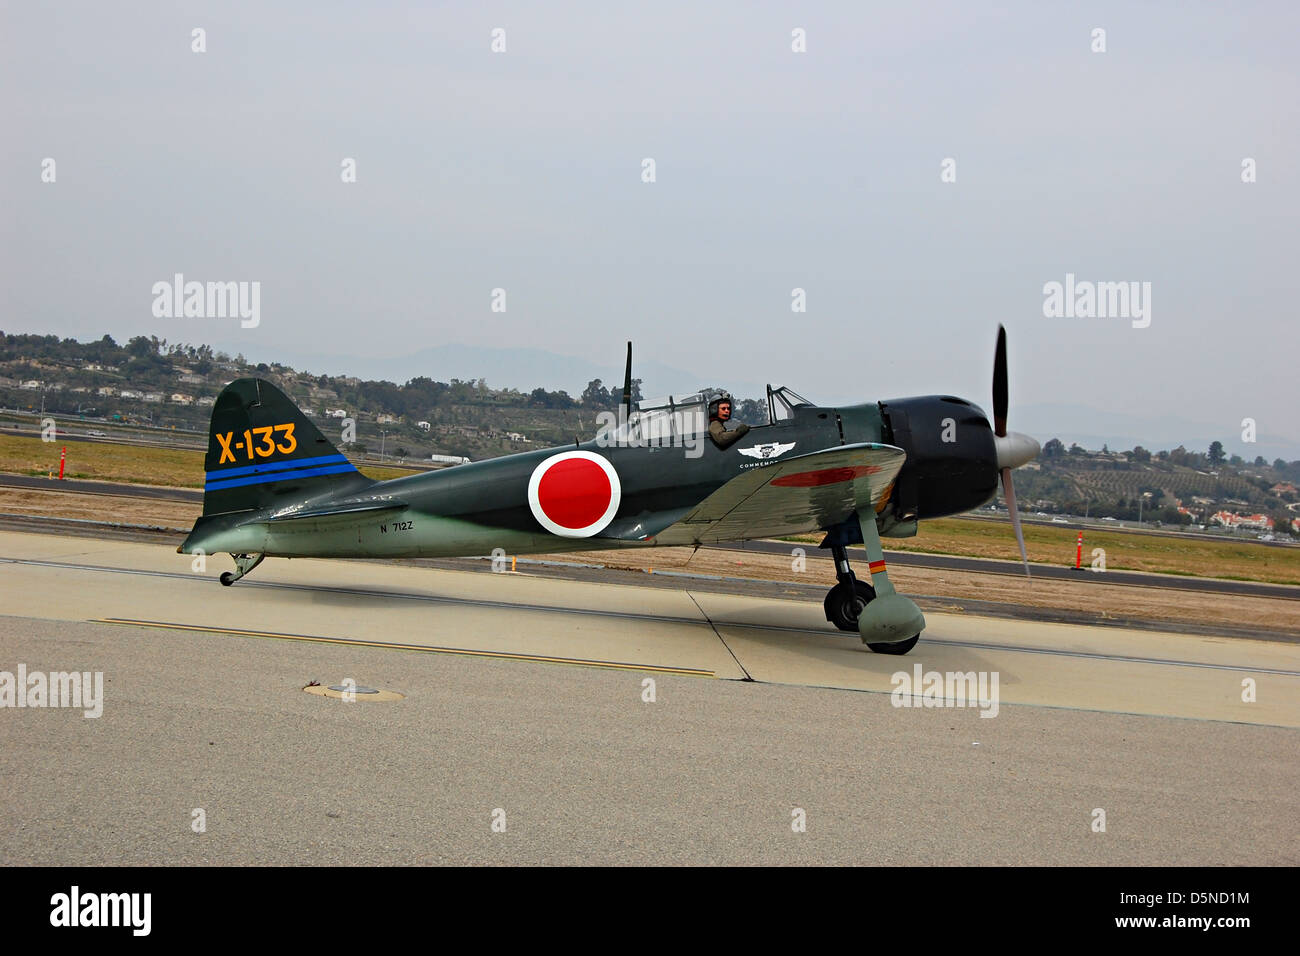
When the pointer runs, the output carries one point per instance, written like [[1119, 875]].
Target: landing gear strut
[[243, 564]]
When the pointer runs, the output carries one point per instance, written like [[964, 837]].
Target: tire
[[843, 606], [227, 578], [899, 647]]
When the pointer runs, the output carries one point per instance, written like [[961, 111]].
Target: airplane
[[652, 477]]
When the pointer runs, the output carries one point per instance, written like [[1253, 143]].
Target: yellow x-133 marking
[[262, 449]]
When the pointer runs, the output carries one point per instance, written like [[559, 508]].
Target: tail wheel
[[843, 604], [899, 647]]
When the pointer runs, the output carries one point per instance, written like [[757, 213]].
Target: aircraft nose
[[1015, 449]]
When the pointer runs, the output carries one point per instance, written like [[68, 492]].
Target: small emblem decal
[[574, 494], [770, 450]]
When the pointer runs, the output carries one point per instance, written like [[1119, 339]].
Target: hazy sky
[[821, 170]]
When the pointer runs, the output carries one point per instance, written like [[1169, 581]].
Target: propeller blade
[[627, 384], [1010, 491], [1000, 384]]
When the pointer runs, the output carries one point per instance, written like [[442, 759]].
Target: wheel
[[227, 578], [899, 647], [843, 606]]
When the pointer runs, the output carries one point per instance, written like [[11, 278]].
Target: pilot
[[719, 414]]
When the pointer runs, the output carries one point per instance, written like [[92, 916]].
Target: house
[[423, 426], [385, 419], [1230, 519], [336, 413], [106, 390], [180, 398], [154, 397], [189, 378], [30, 385], [1283, 488], [131, 393], [205, 401]]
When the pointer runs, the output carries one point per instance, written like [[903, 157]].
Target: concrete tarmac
[[758, 719]]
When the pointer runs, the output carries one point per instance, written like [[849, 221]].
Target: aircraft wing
[[792, 496]]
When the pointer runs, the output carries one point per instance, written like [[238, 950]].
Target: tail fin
[[263, 451]]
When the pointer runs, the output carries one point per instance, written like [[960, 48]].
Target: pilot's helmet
[[713, 406]]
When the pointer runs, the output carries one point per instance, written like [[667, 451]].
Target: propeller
[[1013, 448]]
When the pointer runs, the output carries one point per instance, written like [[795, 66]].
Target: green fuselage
[[476, 508]]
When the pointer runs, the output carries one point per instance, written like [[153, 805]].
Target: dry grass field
[[136, 464]]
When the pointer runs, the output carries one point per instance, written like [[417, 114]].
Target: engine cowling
[[952, 458]]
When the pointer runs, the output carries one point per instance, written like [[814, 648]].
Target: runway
[[526, 694]]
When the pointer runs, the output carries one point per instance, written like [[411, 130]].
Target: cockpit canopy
[[781, 403], [660, 420]]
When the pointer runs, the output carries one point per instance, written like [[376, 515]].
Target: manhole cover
[[359, 692]]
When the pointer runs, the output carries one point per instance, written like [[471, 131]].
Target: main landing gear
[[887, 622], [845, 601], [243, 564]]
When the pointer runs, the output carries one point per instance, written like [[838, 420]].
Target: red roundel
[[574, 494]]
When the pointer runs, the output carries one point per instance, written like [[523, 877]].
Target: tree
[[596, 395], [1216, 452], [1141, 454], [140, 347], [1261, 461], [751, 411], [1077, 449], [1054, 448]]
